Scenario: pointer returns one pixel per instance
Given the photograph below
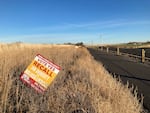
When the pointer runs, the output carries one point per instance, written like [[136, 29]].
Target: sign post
[[40, 73]]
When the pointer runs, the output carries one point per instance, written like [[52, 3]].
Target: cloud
[[52, 38], [93, 25], [86, 32]]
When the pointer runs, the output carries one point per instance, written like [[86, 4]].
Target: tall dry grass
[[83, 84]]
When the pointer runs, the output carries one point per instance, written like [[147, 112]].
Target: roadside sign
[[40, 73]]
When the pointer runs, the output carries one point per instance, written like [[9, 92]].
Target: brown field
[[82, 83]]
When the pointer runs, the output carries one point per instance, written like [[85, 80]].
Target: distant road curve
[[128, 70]]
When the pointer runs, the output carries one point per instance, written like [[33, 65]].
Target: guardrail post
[[107, 49], [101, 48], [118, 52], [143, 55]]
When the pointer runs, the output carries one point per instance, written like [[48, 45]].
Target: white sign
[[40, 73]]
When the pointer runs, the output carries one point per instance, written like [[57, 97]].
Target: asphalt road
[[129, 70]]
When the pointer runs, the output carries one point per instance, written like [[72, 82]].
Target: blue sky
[[62, 21]]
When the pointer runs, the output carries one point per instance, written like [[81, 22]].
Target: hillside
[[82, 84], [132, 45]]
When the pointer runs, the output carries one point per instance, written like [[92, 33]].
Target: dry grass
[[82, 83]]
